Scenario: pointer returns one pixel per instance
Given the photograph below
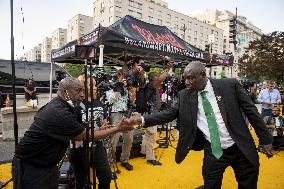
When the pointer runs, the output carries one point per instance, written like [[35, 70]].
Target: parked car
[[38, 71]]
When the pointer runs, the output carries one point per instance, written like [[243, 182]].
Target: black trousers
[[99, 163], [246, 173], [30, 176]]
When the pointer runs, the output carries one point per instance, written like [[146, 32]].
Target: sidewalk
[[7, 149]]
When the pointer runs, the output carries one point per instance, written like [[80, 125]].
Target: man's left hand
[[268, 150]]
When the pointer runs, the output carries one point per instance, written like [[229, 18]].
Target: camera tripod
[[166, 141]]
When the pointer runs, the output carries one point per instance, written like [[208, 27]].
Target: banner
[[221, 60]]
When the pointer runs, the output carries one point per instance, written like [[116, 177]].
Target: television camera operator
[[44, 144]]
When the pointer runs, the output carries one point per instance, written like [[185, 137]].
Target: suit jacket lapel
[[193, 98], [220, 99]]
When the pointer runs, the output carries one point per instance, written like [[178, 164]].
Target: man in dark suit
[[209, 114]]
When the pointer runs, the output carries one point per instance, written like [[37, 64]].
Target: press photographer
[[119, 98], [136, 73], [44, 144]]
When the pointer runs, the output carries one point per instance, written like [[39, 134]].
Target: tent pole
[[13, 78], [50, 81], [87, 124]]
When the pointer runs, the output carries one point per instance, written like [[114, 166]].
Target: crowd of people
[[209, 115]]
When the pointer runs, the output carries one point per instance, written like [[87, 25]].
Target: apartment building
[[46, 49], [78, 26], [59, 38], [34, 54], [246, 32], [195, 32]]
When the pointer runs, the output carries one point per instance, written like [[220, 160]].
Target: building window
[[110, 19], [151, 19], [201, 34], [168, 24], [159, 22], [159, 13], [168, 16], [111, 9], [139, 15], [151, 10], [117, 18], [131, 12], [131, 3], [139, 6], [118, 8]]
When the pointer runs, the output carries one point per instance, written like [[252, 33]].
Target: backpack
[[141, 102], [144, 97]]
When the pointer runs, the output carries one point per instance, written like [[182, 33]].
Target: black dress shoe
[[127, 166], [154, 162]]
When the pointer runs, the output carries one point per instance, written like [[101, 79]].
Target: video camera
[[105, 81]]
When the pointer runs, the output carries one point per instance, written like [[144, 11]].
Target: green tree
[[74, 69], [264, 58]]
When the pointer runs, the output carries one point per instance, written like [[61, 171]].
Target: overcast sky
[[43, 17]]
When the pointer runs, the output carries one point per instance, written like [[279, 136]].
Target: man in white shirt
[[209, 114]]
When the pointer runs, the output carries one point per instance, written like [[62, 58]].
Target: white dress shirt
[[225, 138]]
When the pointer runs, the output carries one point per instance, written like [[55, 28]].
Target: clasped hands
[[128, 124]]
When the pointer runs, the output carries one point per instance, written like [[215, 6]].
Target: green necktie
[[212, 125]]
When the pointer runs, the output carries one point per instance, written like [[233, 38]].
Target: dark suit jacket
[[233, 102]]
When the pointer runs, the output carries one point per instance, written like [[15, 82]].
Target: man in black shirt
[[30, 89], [44, 144]]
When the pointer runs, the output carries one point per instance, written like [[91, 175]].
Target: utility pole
[[233, 34]]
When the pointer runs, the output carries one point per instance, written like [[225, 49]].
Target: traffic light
[[233, 31], [207, 47]]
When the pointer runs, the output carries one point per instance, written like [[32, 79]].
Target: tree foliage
[[264, 58], [74, 69]]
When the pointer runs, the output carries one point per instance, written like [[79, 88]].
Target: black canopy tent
[[131, 37]]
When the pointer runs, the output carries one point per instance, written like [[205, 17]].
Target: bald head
[[195, 76], [68, 83], [70, 88], [195, 67]]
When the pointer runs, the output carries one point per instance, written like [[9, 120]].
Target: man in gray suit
[[209, 114]]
